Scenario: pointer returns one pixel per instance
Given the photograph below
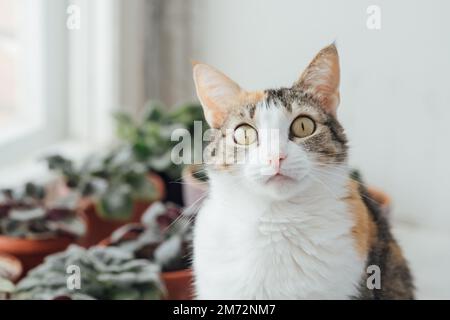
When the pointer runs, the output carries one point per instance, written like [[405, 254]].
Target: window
[[8, 59], [13, 115], [32, 90], [56, 84]]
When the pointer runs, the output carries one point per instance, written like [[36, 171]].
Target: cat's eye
[[302, 127], [245, 135]]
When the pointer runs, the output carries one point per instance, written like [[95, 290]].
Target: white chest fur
[[251, 248]]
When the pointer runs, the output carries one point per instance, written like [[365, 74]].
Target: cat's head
[[275, 142]]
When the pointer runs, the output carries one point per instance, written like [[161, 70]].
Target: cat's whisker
[[347, 176], [188, 183], [324, 184], [189, 210], [201, 170]]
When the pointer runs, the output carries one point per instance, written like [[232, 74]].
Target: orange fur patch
[[364, 230], [216, 114], [252, 97]]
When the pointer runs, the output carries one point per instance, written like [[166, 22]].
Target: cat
[[287, 221]]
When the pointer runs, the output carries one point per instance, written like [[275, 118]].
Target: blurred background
[[67, 66]]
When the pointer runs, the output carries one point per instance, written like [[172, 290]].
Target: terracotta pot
[[194, 190], [14, 266], [99, 227], [31, 252], [178, 283]]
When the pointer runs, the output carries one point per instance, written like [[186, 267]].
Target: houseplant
[[164, 237], [157, 249], [31, 228], [150, 139], [103, 273], [114, 188]]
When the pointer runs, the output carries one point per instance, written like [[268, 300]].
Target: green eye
[[245, 135], [303, 127]]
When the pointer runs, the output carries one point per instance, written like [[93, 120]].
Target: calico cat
[[285, 220]]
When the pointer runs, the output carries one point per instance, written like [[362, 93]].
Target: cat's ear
[[217, 93], [321, 79]]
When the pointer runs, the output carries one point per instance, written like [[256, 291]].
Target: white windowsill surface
[[34, 168]]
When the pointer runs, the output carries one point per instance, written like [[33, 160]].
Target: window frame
[[94, 71], [41, 76], [76, 81]]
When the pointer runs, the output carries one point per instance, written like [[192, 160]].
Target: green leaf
[[106, 273], [153, 111], [146, 191], [116, 203], [126, 128]]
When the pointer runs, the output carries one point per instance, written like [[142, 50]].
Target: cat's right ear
[[217, 93]]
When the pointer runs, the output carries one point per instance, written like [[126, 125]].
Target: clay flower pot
[[193, 188], [99, 227], [31, 252], [178, 283]]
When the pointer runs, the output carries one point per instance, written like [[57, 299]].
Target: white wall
[[395, 82]]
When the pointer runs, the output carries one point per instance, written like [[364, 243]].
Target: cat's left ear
[[321, 79]]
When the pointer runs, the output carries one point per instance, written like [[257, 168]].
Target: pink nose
[[275, 161]]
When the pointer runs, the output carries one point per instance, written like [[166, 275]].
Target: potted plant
[[31, 228], [164, 237], [105, 273], [115, 188], [150, 139]]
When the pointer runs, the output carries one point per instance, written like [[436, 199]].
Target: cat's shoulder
[[374, 239]]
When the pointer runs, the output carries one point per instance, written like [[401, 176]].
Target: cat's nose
[[275, 161]]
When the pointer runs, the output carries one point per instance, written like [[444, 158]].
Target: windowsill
[[17, 128], [33, 168]]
